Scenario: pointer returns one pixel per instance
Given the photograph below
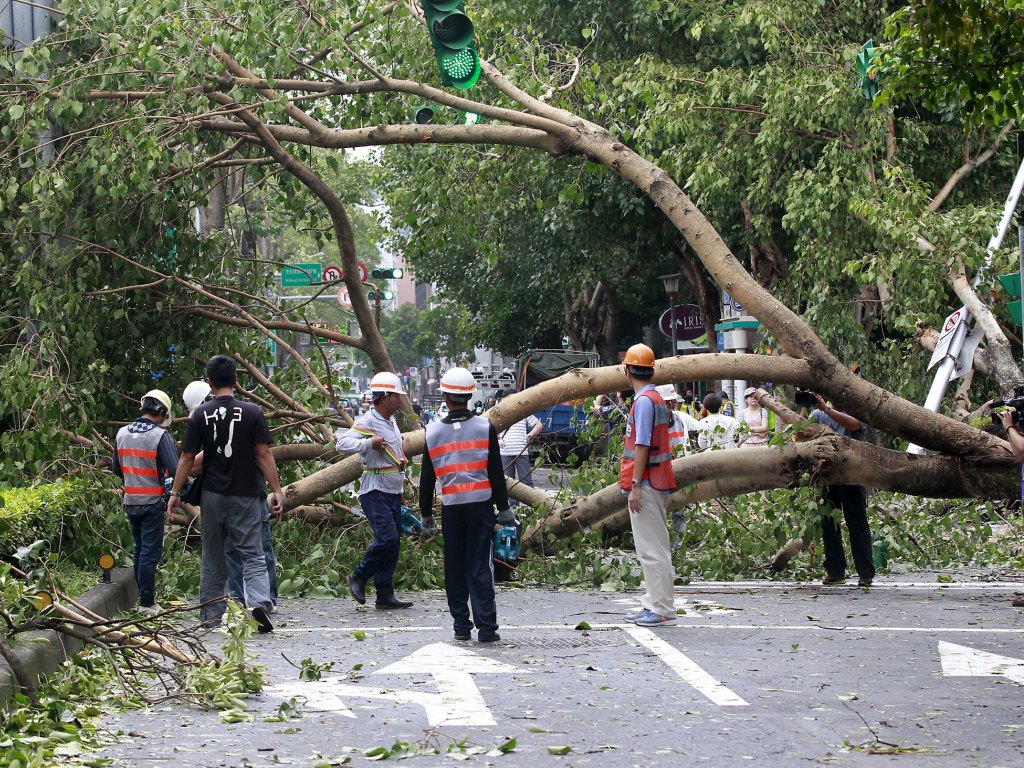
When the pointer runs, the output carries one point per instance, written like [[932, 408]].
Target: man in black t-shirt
[[235, 441]]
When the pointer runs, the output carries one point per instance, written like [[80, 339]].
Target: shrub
[[74, 517]]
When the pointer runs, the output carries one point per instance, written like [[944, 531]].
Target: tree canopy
[[731, 142]]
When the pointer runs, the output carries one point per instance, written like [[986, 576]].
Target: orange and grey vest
[[137, 452], [459, 454], [658, 471]]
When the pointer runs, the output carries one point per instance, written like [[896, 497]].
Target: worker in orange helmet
[[646, 474]]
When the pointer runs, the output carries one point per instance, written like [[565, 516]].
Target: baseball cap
[[749, 391]]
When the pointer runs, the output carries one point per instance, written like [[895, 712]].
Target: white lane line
[[695, 587], [686, 668], [284, 630]]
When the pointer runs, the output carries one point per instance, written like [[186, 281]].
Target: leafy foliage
[[76, 518], [959, 59]]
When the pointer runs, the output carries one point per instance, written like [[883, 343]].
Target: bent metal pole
[[944, 373]]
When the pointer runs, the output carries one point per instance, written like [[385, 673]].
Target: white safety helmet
[[386, 382], [668, 392], [195, 394], [161, 397], [458, 381]]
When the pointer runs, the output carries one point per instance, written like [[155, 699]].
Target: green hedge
[[72, 516]]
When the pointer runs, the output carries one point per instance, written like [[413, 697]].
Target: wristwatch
[[636, 483], [174, 493]]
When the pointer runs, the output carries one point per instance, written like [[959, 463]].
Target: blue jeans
[[147, 522], [520, 468], [384, 513], [236, 522], [235, 587]]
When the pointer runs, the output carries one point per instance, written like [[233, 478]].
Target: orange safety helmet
[[639, 356]]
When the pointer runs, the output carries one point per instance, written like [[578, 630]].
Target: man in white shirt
[[514, 444], [717, 431], [375, 436]]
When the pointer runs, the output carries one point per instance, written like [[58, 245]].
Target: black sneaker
[[832, 579], [493, 637], [262, 620], [462, 636], [864, 582]]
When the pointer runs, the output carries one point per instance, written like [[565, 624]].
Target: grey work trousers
[[650, 535], [237, 520]]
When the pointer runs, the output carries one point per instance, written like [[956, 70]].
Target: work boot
[[387, 601], [357, 588]]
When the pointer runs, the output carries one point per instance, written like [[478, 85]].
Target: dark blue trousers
[[852, 500], [384, 513], [147, 522], [468, 566]]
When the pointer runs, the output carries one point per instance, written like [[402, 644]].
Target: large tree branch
[[827, 459], [998, 353], [967, 169], [386, 135]]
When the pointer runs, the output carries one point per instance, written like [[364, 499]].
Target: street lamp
[[671, 283]]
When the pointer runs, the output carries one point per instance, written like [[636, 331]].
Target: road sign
[[364, 273], [343, 298], [949, 326], [331, 274], [689, 322], [297, 275], [413, 370]]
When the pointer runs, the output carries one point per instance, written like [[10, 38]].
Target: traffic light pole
[[945, 372]]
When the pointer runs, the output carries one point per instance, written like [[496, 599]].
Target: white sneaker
[[152, 610]]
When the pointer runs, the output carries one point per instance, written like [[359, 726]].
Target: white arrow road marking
[[323, 695], [326, 695], [961, 661], [458, 701], [686, 668]]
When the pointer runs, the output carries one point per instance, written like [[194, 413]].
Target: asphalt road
[[771, 674]]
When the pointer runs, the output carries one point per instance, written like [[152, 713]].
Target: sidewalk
[[41, 653]]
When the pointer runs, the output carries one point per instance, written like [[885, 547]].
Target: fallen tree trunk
[[827, 459]]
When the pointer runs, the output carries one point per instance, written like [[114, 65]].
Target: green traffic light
[[423, 115], [461, 69], [451, 34]]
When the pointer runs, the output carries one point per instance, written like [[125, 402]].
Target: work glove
[[507, 517], [429, 528]]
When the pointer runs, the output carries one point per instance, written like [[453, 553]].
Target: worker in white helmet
[[463, 456], [145, 455], [375, 436]]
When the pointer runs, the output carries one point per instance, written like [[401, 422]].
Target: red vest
[[658, 471]]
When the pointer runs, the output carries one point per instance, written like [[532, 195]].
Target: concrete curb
[[41, 653]]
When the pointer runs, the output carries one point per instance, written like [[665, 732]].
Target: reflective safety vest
[[658, 471], [676, 432], [459, 454], [136, 453]]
